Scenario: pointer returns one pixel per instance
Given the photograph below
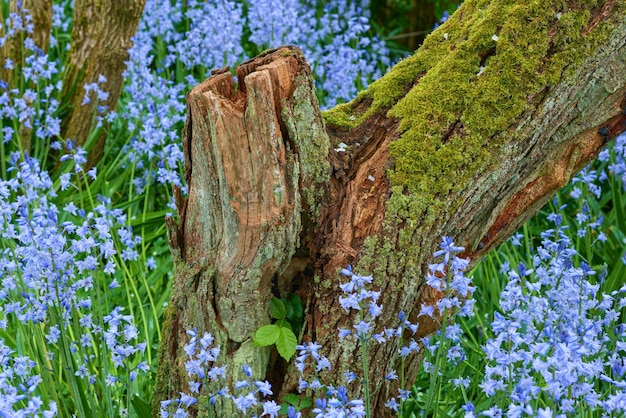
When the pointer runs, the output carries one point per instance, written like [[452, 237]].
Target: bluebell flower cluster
[[332, 400], [204, 373], [557, 336], [557, 343], [52, 267], [28, 99], [95, 94], [56, 257], [214, 36], [153, 112], [350, 61], [444, 350], [336, 403], [18, 384]]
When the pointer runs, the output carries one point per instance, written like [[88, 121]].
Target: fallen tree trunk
[[467, 138]]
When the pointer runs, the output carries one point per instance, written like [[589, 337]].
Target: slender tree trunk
[[467, 138], [101, 37], [37, 13]]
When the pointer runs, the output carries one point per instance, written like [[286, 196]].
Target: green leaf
[[296, 303], [277, 309], [291, 399], [283, 323], [305, 403], [295, 401], [141, 407], [267, 335], [286, 343], [289, 307]]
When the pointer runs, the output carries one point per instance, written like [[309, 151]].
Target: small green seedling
[[288, 316]]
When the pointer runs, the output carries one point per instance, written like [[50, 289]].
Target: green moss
[[459, 97], [289, 52], [517, 64], [508, 44], [341, 116]]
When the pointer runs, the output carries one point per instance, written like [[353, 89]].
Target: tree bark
[[101, 37], [41, 12], [467, 138]]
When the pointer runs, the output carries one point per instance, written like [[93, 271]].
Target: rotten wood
[[247, 158]]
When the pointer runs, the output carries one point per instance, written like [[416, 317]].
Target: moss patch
[[500, 54], [459, 97], [473, 77]]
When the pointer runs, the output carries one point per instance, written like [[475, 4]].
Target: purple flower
[[247, 370], [264, 387], [349, 302], [270, 409], [427, 310], [392, 375], [244, 402], [349, 376], [393, 404], [363, 328], [343, 333]]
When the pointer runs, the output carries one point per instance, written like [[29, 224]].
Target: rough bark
[[468, 138], [255, 156], [41, 12], [101, 37]]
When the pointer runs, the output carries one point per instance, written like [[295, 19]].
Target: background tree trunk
[[101, 37], [39, 14], [41, 11], [467, 138]]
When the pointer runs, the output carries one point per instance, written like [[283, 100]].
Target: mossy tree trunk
[[467, 138], [101, 37]]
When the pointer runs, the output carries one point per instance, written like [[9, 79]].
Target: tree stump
[[467, 138]]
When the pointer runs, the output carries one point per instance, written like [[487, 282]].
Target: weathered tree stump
[[468, 138], [256, 162]]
